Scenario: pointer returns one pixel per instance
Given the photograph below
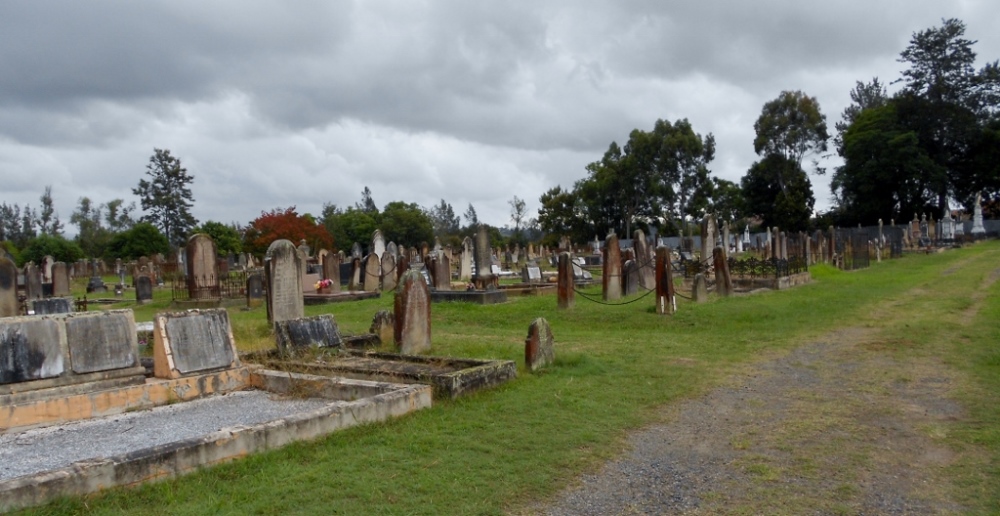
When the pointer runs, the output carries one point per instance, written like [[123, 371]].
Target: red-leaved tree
[[284, 223]]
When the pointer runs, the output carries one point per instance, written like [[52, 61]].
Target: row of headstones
[[42, 297], [66, 349]]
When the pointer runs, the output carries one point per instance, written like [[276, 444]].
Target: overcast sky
[[275, 104]]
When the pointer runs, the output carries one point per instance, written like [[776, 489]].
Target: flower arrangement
[[324, 283]]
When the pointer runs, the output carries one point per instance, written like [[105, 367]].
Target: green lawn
[[498, 450]]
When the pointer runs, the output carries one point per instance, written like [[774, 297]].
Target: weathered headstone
[[392, 249], [388, 272], [143, 289], [539, 349], [193, 342], [51, 305], [383, 325], [465, 267], [644, 259], [630, 278], [373, 273], [32, 282], [612, 280], [707, 237], [357, 269], [202, 267], [255, 290], [484, 273], [978, 230], [723, 282], [102, 341], [442, 271], [294, 334], [9, 306], [331, 271], [378, 244], [412, 331], [666, 302], [60, 279], [531, 273], [699, 291], [356, 251], [284, 283], [566, 294], [31, 350]]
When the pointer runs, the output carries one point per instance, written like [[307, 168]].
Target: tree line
[[933, 145]]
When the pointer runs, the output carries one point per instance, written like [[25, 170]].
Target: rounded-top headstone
[[284, 277]]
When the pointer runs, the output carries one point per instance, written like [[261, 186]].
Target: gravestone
[[388, 272], [382, 326], [373, 273], [442, 271], [392, 249], [143, 289], [255, 290], [9, 306], [723, 282], [612, 280], [531, 273], [31, 349], [294, 334], [378, 244], [284, 282], [699, 291], [355, 283], [666, 302], [32, 282], [630, 281], [331, 271], [202, 267], [539, 349], [52, 305], [707, 237], [356, 251], [566, 294], [978, 230], [102, 341], [484, 257], [46, 268], [193, 342], [412, 330], [465, 267], [60, 279], [644, 259]]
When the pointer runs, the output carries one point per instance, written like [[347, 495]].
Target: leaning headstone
[[612, 280], [565, 292], [412, 331], [284, 282], [202, 267], [143, 289], [539, 350], [193, 342], [60, 279], [295, 334], [9, 307], [373, 273], [382, 326], [52, 305], [388, 272], [699, 291]]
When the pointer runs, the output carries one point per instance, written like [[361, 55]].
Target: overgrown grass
[[498, 450]]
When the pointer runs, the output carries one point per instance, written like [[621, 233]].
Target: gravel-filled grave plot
[[37, 450]]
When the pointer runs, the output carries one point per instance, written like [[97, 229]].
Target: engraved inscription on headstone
[[284, 290], [102, 341]]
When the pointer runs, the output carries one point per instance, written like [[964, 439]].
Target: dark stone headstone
[[96, 284], [255, 290], [566, 294], [412, 330], [52, 305], [320, 331], [442, 271], [666, 302], [32, 282], [143, 289], [102, 341], [60, 279], [195, 341], [9, 306], [538, 346], [29, 350]]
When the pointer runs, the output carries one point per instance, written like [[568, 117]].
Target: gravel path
[[34, 451], [829, 428]]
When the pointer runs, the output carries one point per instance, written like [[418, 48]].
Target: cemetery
[[63, 366]]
